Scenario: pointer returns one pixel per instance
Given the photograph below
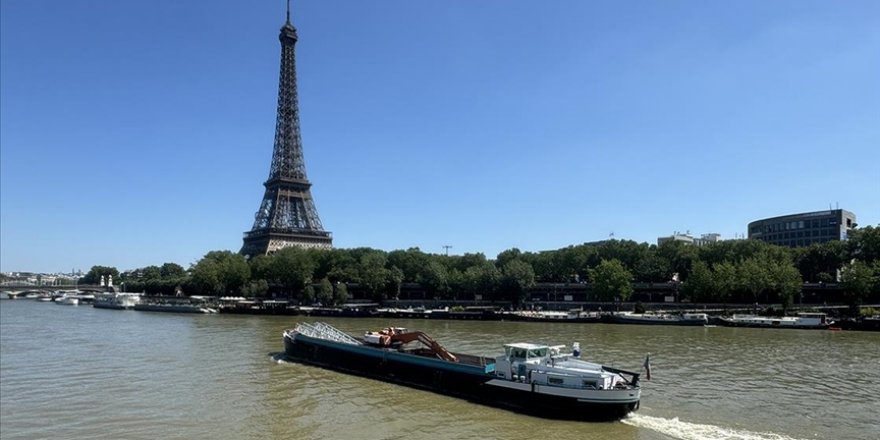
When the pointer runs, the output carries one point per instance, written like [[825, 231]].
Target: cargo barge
[[533, 379]]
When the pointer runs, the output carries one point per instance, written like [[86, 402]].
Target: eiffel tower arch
[[287, 215]]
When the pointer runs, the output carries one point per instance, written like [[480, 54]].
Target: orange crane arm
[[428, 341]]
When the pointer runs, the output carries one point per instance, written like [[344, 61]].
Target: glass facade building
[[797, 230]]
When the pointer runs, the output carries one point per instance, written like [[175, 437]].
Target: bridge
[[15, 289]]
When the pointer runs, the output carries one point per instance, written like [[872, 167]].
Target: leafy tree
[[256, 288], [395, 281], [221, 272], [611, 281], [652, 268], [151, 273], [482, 279], [516, 277], [507, 256], [572, 262], [724, 275], [292, 269], [372, 273], [410, 262], [325, 297], [820, 261], [172, 271], [96, 272], [753, 277], [863, 244], [785, 281], [308, 296], [679, 257], [858, 281], [325, 292], [261, 267], [340, 296], [627, 252], [434, 279], [463, 262], [700, 286]]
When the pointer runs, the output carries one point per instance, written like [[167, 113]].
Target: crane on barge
[[392, 336]]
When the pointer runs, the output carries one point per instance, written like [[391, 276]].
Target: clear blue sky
[[138, 133]]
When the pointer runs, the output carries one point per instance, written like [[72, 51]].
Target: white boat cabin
[[546, 365]]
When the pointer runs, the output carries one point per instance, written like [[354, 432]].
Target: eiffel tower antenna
[[287, 215]]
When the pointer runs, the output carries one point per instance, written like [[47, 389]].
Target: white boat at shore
[[67, 300], [696, 319], [117, 301], [800, 321]]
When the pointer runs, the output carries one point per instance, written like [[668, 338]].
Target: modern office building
[[797, 230]]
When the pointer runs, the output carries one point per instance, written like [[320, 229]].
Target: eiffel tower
[[287, 215]]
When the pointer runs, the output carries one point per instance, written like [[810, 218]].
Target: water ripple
[[80, 372]]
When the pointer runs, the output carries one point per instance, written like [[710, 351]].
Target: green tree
[[507, 256], [516, 277], [255, 288], [96, 272], [395, 281], [863, 244], [292, 269], [172, 271], [724, 275], [652, 268], [340, 296], [858, 280], [308, 296], [410, 262], [785, 281], [482, 279], [434, 279], [700, 285], [372, 274], [151, 273], [325, 292], [611, 281], [753, 277], [221, 272], [821, 261]]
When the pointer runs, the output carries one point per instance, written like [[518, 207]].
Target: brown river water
[[76, 372]]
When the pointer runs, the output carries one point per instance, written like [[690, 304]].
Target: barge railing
[[326, 331]]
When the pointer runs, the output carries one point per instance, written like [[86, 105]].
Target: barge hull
[[453, 379]]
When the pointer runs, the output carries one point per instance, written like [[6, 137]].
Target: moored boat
[[67, 300], [116, 301], [801, 321], [192, 304], [535, 379], [172, 308], [572, 316], [696, 319]]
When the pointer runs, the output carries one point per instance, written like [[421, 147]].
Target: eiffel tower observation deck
[[287, 215]]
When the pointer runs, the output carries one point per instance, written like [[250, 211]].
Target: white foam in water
[[694, 431], [279, 358]]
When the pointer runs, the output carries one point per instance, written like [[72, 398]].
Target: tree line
[[726, 271]]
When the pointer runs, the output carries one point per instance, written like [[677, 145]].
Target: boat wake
[[678, 429], [279, 358]]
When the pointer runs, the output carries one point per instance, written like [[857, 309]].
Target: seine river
[[85, 373]]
